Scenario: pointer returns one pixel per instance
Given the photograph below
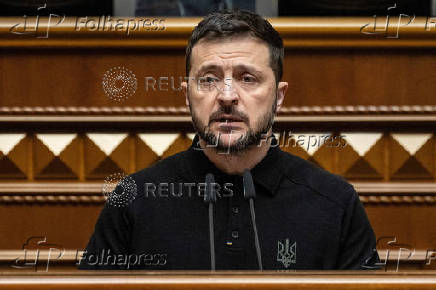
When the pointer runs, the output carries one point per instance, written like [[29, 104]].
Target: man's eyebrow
[[239, 67], [210, 66], [247, 67]]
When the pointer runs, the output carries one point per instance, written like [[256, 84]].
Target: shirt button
[[235, 234], [235, 209]]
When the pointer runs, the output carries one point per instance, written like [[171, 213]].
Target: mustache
[[228, 111]]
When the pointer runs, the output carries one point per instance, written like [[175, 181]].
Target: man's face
[[232, 92]]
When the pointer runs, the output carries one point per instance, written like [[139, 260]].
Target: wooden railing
[[218, 280], [297, 32]]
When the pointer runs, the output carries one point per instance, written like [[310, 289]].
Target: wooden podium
[[219, 280]]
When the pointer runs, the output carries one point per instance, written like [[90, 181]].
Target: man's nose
[[227, 94]]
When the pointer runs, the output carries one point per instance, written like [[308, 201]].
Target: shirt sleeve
[[358, 243], [108, 246]]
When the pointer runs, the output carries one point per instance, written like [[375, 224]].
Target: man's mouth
[[228, 119]]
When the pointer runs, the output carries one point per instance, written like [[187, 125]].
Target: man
[[303, 217]]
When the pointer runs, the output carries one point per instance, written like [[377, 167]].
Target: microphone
[[210, 198], [250, 194]]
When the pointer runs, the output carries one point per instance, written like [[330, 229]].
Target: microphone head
[[249, 190], [210, 194]]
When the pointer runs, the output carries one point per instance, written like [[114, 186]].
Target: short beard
[[252, 137]]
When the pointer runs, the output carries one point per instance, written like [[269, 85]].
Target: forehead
[[235, 50]]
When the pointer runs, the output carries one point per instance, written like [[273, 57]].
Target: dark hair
[[226, 23]]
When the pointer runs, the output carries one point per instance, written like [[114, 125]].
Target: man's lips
[[227, 119], [227, 125]]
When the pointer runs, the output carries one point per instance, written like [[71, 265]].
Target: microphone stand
[[210, 198], [250, 194]]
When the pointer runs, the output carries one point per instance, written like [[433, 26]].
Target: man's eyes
[[243, 79], [208, 79], [211, 79], [248, 79]]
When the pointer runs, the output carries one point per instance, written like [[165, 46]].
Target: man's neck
[[237, 162]]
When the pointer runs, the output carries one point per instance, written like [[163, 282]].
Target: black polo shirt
[[306, 218]]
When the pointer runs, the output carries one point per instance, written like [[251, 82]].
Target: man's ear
[[184, 86], [282, 87]]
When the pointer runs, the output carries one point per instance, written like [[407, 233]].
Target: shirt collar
[[267, 173]]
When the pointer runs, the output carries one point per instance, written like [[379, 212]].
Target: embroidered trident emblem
[[287, 254]]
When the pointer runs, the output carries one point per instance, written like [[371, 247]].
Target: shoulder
[[320, 181]]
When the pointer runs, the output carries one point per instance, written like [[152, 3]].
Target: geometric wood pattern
[[13, 152], [363, 157], [106, 154], [317, 146], [411, 156], [56, 156], [358, 156]]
